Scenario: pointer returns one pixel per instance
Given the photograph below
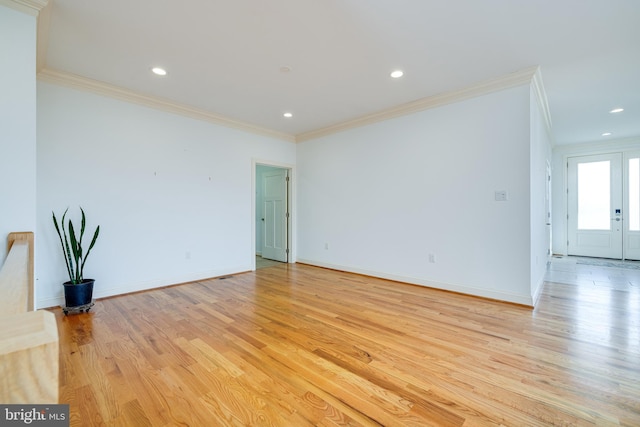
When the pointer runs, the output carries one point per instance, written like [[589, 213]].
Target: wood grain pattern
[[29, 358], [296, 345], [16, 275], [29, 238], [28, 339]]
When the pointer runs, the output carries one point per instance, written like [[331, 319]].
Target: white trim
[[105, 89], [526, 76], [598, 147], [478, 292], [127, 288], [42, 36], [543, 103], [292, 235], [537, 292], [31, 7], [488, 86]]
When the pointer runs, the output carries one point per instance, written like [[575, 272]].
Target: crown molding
[[32, 7], [527, 76], [596, 147], [541, 97], [84, 84], [41, 9], [508, 81], [42, 40]]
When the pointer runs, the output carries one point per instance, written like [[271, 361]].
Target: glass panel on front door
[[594, 196], [634, 195]]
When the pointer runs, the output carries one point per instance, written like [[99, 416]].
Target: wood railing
[[28, 339], [16, 276]]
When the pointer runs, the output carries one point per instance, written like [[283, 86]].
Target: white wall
[[385, 196], [560, 155], [17, 124], [172, 195], [540, 156]]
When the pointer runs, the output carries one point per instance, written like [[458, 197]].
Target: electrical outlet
[[501, 195], [187, 255], [432, 258], [326, 246]]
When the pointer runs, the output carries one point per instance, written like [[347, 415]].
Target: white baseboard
[[49, 302], [537, 292], [104, 292], [101, 292], [462, 289]]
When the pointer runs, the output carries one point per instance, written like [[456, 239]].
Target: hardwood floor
[[295, 345], [265, 263]]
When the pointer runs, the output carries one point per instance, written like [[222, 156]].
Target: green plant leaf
[[71, 244], [66, 258], [77, 255], [82, 225], [93, 242], [72, 276]]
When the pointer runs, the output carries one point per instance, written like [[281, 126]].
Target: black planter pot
[[80, 294]]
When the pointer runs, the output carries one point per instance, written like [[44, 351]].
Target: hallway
[[603, 274]]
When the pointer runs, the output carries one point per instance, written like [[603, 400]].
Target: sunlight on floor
[[604, 273]]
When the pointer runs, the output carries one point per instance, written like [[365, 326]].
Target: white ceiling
[[225, 57]]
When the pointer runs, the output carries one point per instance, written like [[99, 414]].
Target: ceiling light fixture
[[397, 74], [607, 134], [159, 71], [288, 115], [617, 110], [285, 69]]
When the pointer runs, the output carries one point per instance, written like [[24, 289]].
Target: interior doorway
[[272, 214], [603, 210]]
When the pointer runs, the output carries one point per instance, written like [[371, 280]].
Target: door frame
[[629, 238], [561, 153], [548, 202], [617, 188], [291, 201]]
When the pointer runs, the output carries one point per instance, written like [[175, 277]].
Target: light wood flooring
[[265, 263], [294, 345]]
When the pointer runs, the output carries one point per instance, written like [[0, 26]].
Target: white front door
[[595, 217], [274, 214], [631, 235]]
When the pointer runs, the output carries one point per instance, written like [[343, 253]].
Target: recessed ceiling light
[[159, 71], [607, 134], [617, 110], [288, 115], [397, 73], [285, 69]]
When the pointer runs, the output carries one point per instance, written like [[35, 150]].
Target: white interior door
[[274, 201], [631, 235], [595, 217]]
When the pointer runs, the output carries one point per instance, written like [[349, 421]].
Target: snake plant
[[74, 255]]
